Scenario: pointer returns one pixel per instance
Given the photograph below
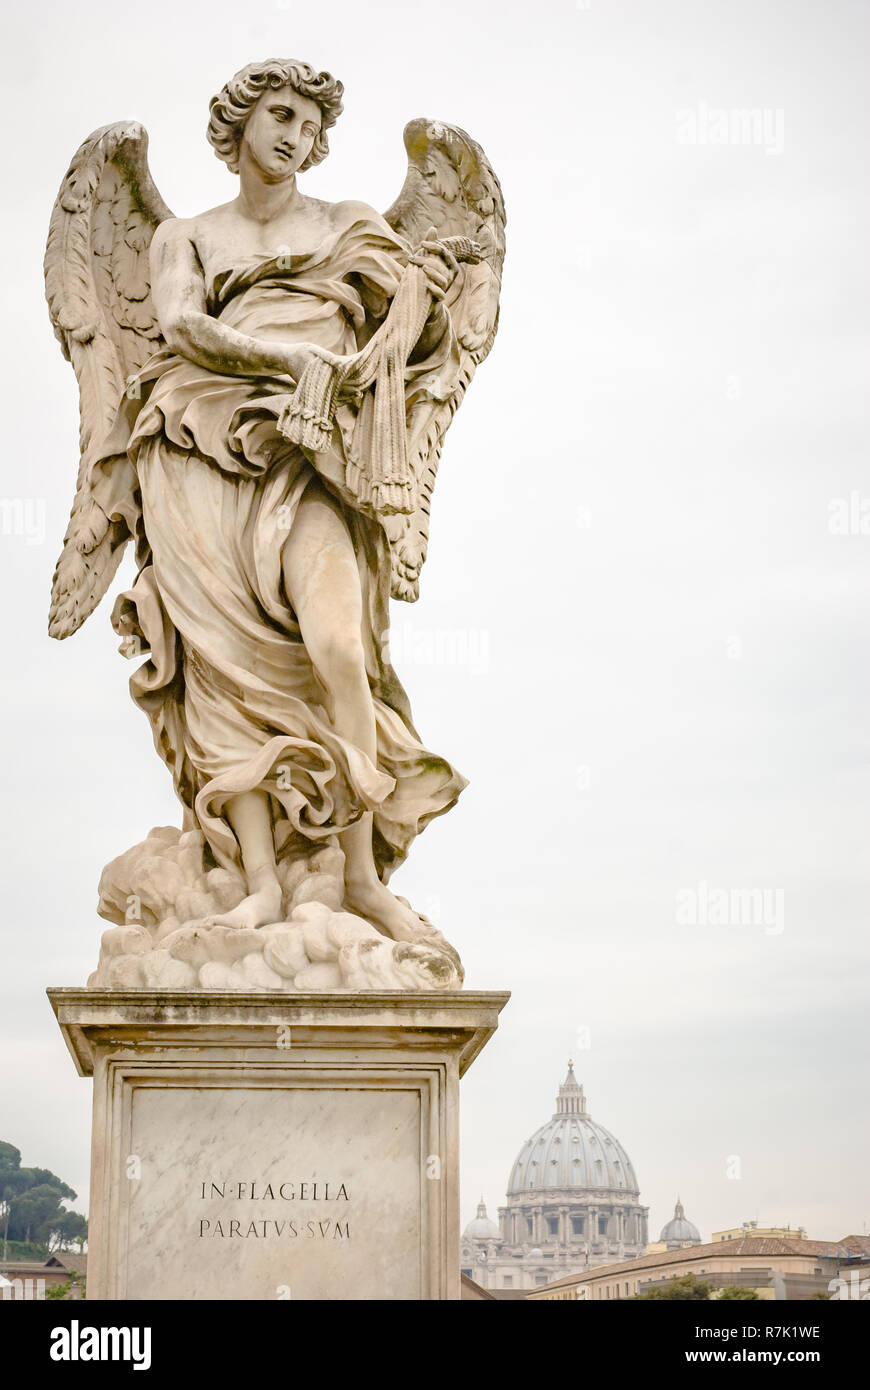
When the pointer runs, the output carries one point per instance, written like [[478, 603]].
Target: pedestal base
[[259, 1146]]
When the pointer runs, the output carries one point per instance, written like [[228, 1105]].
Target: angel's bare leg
[[323, 585], [249, 815]]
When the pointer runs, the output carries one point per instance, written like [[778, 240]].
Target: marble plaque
[[271, 1194]]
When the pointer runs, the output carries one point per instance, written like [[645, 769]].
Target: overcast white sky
[[638, 635]]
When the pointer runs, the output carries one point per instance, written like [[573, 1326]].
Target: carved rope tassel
[[308, 419], [385, 482]]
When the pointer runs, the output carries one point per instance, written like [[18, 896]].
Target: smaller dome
[[536, 1253], [680, 1231], [482, 1227]]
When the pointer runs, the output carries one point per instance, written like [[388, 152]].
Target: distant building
[[29, 1279], [752, 1228], [775, 1267], [677, 1234], [573, 1202]]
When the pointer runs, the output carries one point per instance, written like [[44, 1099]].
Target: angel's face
[[280, 132]]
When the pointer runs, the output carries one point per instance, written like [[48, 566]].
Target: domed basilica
[[572, 1202]]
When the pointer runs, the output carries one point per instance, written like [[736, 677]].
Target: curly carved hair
[[233, 105]]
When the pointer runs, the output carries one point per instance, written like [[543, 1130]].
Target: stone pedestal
[[273, 1146]]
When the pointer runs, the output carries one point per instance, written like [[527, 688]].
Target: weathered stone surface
[[266, 1146]]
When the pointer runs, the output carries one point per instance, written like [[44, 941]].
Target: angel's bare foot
[[379, 906], [263, 906]]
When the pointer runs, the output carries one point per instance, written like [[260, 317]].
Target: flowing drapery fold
[[229, 689]]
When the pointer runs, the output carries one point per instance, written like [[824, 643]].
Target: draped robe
[[234, 702]]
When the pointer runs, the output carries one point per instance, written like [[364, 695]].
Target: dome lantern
[[570, 1100]]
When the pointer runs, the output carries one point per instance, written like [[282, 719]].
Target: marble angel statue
[[265, 389]]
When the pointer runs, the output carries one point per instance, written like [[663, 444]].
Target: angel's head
[[280, 110]]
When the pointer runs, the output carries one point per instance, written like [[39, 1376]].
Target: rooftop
[[848, 1247]]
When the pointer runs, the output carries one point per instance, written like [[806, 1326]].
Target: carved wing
[[98, 287], [451, 186]]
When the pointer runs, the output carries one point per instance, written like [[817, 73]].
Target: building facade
[[752, 1228], [573, 1202], [773, 1267]]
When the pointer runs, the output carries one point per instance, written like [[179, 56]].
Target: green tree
[[31, 1207], [33, 1212], [13, 1180], [737, 1291], [689, 1288], [67, 1230], [10, 1159]]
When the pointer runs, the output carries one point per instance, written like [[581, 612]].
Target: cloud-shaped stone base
[[161, 896]]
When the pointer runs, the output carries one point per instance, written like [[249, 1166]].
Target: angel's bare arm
[[178, 291]]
